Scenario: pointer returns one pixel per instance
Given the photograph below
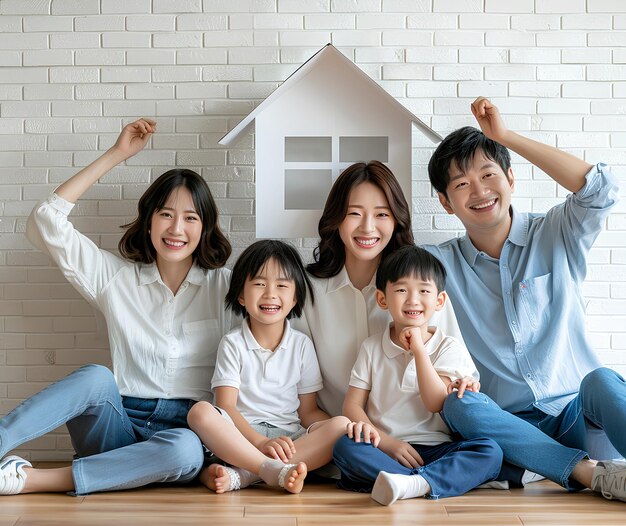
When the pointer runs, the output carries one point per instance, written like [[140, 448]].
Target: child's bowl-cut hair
[[411, 261], [254, 258]]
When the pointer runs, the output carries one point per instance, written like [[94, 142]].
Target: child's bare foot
[[219, 478], [294, 478]]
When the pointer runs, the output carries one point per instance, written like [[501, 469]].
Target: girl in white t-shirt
[[366, 217], [163, 304], [266, 381]]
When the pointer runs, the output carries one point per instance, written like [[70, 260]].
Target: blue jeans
[[120, 442], [545, 444], [451, 469]]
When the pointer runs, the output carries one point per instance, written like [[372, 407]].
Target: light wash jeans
[[544, 444], [120, 442]]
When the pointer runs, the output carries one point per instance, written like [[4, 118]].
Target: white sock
[[390, 487], [246, 478], [271, 471]]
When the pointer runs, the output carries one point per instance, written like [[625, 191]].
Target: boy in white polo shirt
[[398, 385]]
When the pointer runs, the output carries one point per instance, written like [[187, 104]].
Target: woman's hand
[[134, 137]]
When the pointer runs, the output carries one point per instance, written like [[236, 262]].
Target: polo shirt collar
[[518, 235], [253, 345], [390, 349], [343, 280], [150, 273]]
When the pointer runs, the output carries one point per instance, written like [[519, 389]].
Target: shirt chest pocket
[[201, 340], [535, 298]]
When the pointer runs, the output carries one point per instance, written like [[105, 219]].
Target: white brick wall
[[72, 73]]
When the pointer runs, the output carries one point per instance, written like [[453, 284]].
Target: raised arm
[[566, 169], [132, 139]]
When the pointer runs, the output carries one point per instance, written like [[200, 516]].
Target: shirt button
[[529, 376], [148, 424], [508, 292], [513, 322], [171, 301]]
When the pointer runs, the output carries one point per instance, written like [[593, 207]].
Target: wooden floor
[[318, 505]]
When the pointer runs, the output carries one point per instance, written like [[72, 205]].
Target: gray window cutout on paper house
[[355, 149], [308, 149]]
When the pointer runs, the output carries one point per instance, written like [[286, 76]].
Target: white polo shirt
[[269, 382], [162, 345], [388, 372], [341, 318]]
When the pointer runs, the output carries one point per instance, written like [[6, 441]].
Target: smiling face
[[176, 229], [480, 196], [411, 301], [368, 225], [269, 296]]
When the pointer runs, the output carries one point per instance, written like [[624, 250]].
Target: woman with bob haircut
[[366, 217], [163, 303]]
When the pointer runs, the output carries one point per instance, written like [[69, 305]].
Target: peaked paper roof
[[324, 53]]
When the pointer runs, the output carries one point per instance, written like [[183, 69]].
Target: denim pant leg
[[87, 400], [360, 464], [454, 468], [476, 415], [600, 404], [171, 455]]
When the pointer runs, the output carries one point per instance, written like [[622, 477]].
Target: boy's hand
[[489, 119], [411, 339], [363, 431], [134, 137], [468, 383], [402, 451], [281, 448]]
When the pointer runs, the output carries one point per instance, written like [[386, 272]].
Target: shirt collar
[[518, 235], [343, 280], [253, 345], [390, 349], [150, 273]]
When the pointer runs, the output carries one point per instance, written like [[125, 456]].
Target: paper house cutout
[[327, 115]]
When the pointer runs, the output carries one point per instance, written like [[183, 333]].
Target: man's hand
[[489, 119]]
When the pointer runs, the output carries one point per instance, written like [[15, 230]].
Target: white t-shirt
[[162, 345], [388, 372], [341, 318], [269, 382]]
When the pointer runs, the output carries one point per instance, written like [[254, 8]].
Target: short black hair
[[254, 258], [411, 261], [460, 147]]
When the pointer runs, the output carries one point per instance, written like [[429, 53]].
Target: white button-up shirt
[[338, 322], [162, 345]]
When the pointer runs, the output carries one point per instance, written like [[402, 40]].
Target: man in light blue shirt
[[514, 280]]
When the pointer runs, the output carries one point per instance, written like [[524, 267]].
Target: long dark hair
[[213, 249], [330, 254]]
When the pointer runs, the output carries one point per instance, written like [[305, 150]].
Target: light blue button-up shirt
[[523, 316]]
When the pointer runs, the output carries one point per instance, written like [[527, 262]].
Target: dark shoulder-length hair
[[213, 249], [254, 258], [330, 254]]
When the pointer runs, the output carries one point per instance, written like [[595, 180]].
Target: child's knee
[[493, 453], [340, 424], [200, 414]]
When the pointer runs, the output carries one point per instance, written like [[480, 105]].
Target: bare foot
[[294, 481], [216, 478]]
